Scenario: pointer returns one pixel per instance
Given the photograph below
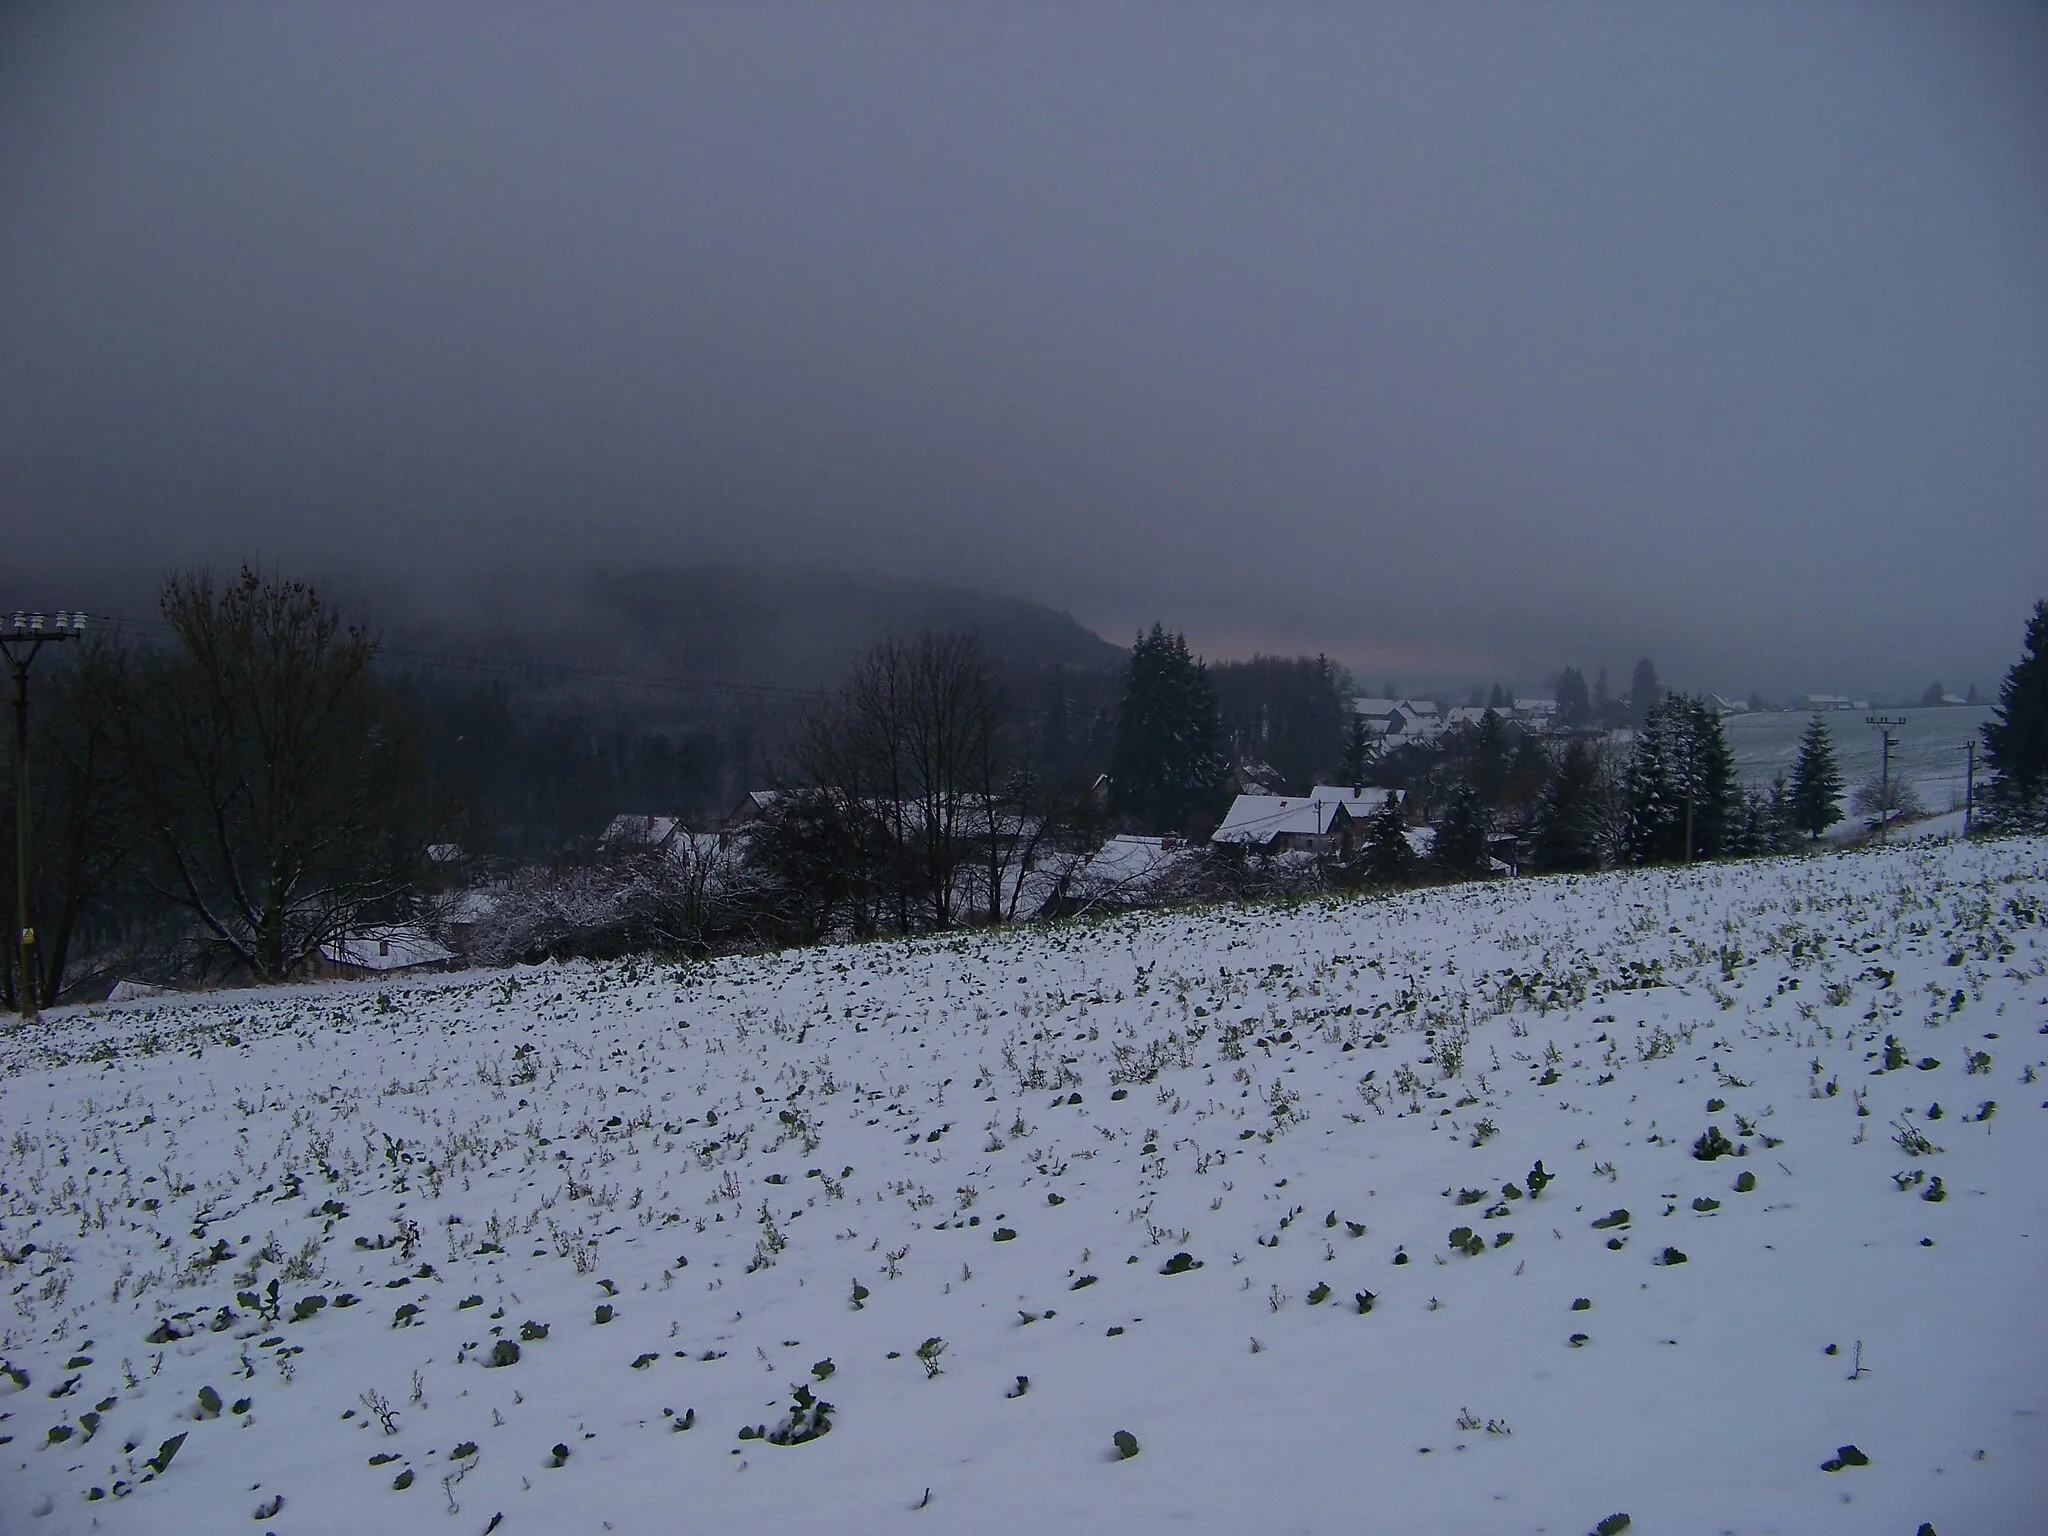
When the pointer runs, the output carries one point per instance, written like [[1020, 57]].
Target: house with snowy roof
[[1380, 715], [1126, 871], [639, 834], [392, 949], [755, 804], [1328, 819], [1410, 719]]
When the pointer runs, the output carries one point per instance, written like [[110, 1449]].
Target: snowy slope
[[728, 1156]]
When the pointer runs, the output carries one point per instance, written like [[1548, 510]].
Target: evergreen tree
[[1780, 810], [1388, 857], [1358, 751], [1644, 693], [1574, 705], [1565, 828], [1816, 782], [1762, 827], [1287, 711], [1490, 757], [2016, 737], [1165, 766], [1460, 849], [1682, 784], [1718, 791]]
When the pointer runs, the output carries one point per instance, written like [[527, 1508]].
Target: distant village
[[1285, 832]]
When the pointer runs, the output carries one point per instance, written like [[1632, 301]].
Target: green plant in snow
[[1713, 1144], [1912, 1140], [809, 1418]]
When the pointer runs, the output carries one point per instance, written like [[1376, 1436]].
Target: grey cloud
[[1454, 341]]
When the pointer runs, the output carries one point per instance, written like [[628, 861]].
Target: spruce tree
[[1682, 784], [1574, 706], [1644, 693], [2016, 737], [1762, 826], [1358, 750], [1165, 766], [1490, 758], [1389, 858], [1565, 828], [1460, 850], [1816, 782], [1780, 811]]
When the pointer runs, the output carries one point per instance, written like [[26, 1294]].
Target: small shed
[[395, 949]]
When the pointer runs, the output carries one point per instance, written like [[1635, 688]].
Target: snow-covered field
[[527, 1251], [1927, 750]]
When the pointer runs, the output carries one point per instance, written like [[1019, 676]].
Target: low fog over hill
[[787, 626]]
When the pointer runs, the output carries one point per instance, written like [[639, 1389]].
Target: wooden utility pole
[[1884, 789], [20, 642]]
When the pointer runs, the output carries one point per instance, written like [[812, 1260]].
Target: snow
[[1127, 868], [1261, 818], [870, 1121], [1359, 802]]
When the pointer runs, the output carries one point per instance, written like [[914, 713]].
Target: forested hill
[[551, 700], [781, 626]]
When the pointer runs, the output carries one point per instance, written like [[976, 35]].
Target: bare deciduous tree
[[1881, 803], [910, 751], [275, 783]]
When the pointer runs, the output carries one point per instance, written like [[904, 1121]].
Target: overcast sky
[[1456, 341]]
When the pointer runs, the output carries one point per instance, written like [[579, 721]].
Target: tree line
[[223, 805]]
